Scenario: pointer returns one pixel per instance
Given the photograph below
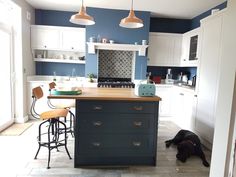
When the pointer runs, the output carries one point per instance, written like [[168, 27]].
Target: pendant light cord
[[132, 5]]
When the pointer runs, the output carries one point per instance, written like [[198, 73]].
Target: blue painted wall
[[61, 69], [195, 23], [107, 26], [54, 18], [170, 25]]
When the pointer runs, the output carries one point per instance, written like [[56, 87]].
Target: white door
[[6, 113]]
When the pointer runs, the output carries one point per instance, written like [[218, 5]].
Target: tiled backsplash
[[115, 64]]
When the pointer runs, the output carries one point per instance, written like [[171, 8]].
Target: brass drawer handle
[[97, 123], [138, 123], [96, 144], [137, 143], [97, 107], [138, 108]]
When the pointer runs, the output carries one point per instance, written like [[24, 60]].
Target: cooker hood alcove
[[92, 46]]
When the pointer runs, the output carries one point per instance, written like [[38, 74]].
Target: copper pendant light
[[82, 18], [131, 21]]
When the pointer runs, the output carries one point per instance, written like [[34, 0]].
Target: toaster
[[145, 90]]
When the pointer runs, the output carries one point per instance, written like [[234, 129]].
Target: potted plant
[[91, 76]]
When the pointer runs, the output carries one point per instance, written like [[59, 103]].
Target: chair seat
[[54, 114]]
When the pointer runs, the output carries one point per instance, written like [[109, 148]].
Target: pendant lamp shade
[[131, 21], [82, 18]]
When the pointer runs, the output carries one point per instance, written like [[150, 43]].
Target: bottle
[[99, 38], [44, 54], [54, 76]]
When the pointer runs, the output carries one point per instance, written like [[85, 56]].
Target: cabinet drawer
[[115, 106], [110, 123], [116, 145]]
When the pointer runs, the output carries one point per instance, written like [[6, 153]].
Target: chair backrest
[[52, 85], [37, 92]]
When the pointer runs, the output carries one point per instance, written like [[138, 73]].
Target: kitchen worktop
[[107, 94]]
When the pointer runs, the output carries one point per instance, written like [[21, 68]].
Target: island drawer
[[110, 123], [115, 106], [116, 145]]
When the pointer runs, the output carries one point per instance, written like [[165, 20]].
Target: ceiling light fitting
[[131, 21], [82, 18]]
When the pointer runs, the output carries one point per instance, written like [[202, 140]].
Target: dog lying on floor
[[188, 144]]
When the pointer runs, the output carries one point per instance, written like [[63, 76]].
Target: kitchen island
[[114, 127]]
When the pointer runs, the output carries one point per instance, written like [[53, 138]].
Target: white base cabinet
[[165, 105], [183, 108]]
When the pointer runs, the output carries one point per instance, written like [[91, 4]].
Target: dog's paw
[[205, 163], [168, 143]]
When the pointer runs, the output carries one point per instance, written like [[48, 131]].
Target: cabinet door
[[191, 48], [73, 39], [183, 108], [177, 51], [45, 38], [165, 106], [164, 49], [208, 76], [160, 49]]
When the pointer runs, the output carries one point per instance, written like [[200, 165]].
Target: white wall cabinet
[[165, 105], [73, 39], [164, 49], [57, 38], [191, 47], [208, 75], [46, 38]]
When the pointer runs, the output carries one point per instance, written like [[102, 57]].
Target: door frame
[[9, 29]]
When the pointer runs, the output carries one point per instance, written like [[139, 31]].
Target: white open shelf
[[92, 46], [59, 60]]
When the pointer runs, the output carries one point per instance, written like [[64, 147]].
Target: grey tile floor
[[17, 159]]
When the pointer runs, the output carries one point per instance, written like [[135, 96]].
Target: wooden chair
[[53, 137]]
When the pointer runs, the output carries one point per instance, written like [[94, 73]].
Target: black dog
[[188, 144]]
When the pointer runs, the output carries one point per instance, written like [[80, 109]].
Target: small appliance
[[169, 79], [145, 90]]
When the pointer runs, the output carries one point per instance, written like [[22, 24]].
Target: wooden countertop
[[107, 94]]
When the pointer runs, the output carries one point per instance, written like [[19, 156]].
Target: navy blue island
[[114, 127]]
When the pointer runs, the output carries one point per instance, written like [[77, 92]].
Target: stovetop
[[115, 83]]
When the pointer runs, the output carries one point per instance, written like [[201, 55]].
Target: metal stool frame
[[53, 133]]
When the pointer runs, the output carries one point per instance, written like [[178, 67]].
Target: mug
[[104, 40]]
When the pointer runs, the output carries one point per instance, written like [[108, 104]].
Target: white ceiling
[[184, 9]]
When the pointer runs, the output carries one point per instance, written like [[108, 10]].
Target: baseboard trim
[[21, 119]]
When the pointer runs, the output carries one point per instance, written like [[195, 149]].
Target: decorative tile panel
[[113, 63]]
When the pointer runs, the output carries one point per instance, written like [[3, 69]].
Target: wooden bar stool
[[63, 105], [51, 135]]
